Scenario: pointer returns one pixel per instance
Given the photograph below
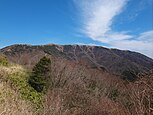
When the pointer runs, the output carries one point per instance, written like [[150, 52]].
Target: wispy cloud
[[88, 44], [142, 43], [97, 18], [136, 10]]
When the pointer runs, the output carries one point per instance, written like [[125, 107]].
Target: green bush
[[20, 83], [39, 74], [114, 94], [3, 61], [17, 77], [129, 75]]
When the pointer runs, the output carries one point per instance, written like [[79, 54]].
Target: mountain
[[119, 62], [74, 80]]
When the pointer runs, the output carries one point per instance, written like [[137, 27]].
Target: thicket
[[129, 75]]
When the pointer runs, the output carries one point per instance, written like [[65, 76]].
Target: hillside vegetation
[[16, 95], [59, 87]]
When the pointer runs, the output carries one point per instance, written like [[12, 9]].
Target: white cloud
[[146, 36], [142, 43], [114, 36], [98, 15], [88, 44], [97, 19]]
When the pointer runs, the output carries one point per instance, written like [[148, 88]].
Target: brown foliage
[[77, 90]]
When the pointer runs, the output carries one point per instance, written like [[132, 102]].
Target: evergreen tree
[[38, 79]]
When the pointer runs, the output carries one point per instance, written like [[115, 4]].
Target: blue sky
[[122, 24]]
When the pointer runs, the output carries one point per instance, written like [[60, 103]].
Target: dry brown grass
[[11, 100], [11, 103]]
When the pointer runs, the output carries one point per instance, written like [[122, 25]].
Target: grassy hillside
[[16, 95]]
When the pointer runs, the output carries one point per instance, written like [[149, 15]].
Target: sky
[[122, 24]]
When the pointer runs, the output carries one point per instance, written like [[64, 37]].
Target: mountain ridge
[[113, 60]]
